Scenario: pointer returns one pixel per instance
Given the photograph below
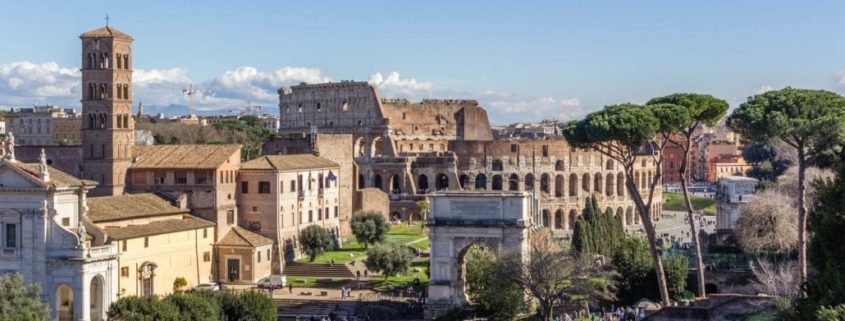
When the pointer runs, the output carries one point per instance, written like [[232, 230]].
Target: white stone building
[[45, 236], [731, 194]]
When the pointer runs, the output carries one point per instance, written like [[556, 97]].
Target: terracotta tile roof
[[109, 208], [187, 223], [106, 31], [183, 156], [57, 178], [288, 162], [239, 236]]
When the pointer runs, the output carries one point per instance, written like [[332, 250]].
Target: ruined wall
[[436, 118], [67, 159], [371, 199], [338, 148], [332, 107]]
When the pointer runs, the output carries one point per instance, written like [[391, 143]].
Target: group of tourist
[[617, 314]]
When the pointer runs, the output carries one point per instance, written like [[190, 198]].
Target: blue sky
[[523, 60]]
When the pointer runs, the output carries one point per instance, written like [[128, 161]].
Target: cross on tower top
[[107, 20]]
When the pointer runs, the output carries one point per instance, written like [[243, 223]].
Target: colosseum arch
[[529, 182], [481, 182], [573, 185], [377, 147], [377, 181], [629, 216], [598, 182], [395, 184], [609, 184], [463, 181], [619, 213], [497, 182], [546, 218], [559, 165], [558, 219], [422, 183], [513, 182], [570, 220], [544, 183], [620, 184], [585, 182], [441, 182], [497, 165], [609, 165], [559, 185]]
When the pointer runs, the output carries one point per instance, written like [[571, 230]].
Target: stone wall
[[371, 199], [67, 159], [338, 148]]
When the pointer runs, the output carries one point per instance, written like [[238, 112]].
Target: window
[[300, 108], [268, 254], [201, 177], [255, 208], [124, 272], [318, 107], [244, 187], [230, 217], [335, 211], [180, 177], [259, 256], [310, 216], [205, 233], [281, 187], [146, 242], [513, 148], [11, 235], [158, 178], [319, 214], [345, 106], [123, 245], [293, 186], [65, 221], [545, 150], [206, 256], [263, 187]]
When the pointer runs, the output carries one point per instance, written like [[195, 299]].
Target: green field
[[410, 235], [675, 202]]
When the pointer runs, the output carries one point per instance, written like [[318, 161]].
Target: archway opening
[[559, 186], [547, 221], [570, 222], [513, 182], [360, 147], [559, 165], [395, 184], [497, 165], [610, 185], [422, 184], [475, 261], [361, 181], [442, 182], [464, 181], [64, 303], [497, 182], [96, 302], [573, 185], [377, 147], [544, 183], [529, 182], [481, 182], [559, 219]]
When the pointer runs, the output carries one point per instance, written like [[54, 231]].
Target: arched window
[[442, 182], [558, 220], [585, 182], [597, 182], [91, 121], [544, 183], [395, 187], [497, 165], [422, 183], [481, 182], [620, 184], [146, 273], [513, 182], [546, 219], [377, 181], [559, 183], [529, 182], [571, 220], [559, 165], [573, 185], [463, 180], [497, 182], [609, 187], [609, 165]]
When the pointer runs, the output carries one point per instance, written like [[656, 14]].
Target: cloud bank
[[26, 83]]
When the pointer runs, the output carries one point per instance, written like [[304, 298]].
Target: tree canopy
[[19, 301], [315, 240], [389, 259], [596, 232], [369, 227]]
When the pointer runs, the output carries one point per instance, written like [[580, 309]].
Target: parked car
[[207, 287]]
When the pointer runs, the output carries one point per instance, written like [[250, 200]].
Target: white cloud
[[763, 89], [25, 83], [250, 83], [394, 86], [841, 79], [511, 107]]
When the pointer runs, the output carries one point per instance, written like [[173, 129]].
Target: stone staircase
[[320, 271], [290, 309]]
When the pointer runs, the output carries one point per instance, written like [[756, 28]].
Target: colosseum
[[407, 149]]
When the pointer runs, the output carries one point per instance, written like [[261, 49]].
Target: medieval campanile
[[107, 129]]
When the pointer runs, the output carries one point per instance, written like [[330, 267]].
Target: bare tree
[[768, 223], [788, 183], [552, 276], [780, 280]]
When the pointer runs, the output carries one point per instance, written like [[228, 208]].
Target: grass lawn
[[353, 251], [763, 316], [675, 202], [399, 281], [311, 282]]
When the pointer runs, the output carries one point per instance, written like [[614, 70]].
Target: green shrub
[[135, 308], [194, 307]]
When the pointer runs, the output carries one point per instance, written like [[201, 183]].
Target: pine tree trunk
[[802, 218], [699, 264], [648, 226]]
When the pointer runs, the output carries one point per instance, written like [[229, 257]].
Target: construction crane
[[190, 91], [249, 109]]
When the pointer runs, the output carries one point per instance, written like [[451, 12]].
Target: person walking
[[290, 288]]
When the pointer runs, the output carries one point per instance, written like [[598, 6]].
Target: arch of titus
[[458, 220]]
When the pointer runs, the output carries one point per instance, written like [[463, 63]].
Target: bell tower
[[108, 131]]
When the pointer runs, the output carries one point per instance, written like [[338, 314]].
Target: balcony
[[101, 251]]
